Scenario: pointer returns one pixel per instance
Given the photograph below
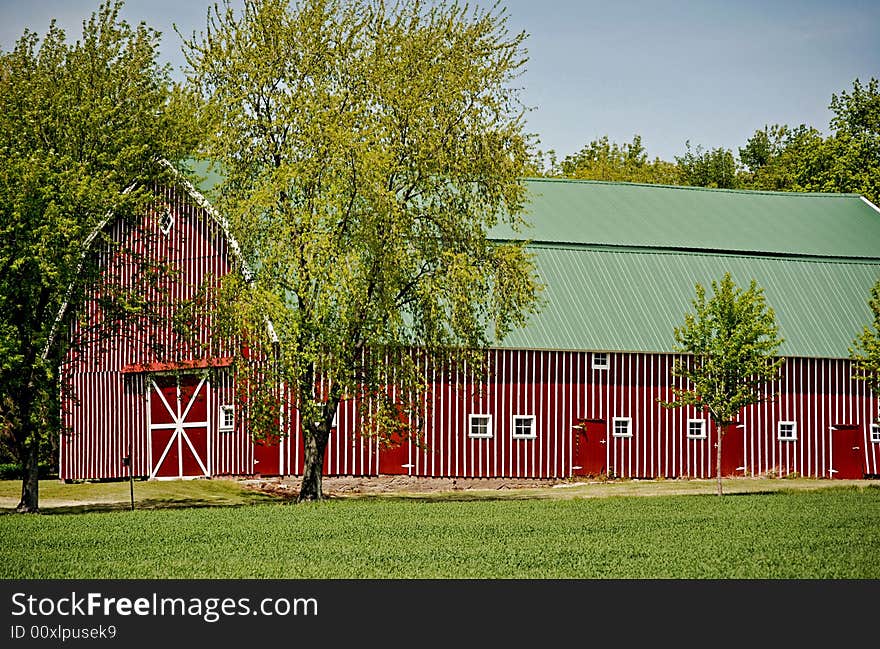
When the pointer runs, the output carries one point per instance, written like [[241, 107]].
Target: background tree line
[[778, 157]]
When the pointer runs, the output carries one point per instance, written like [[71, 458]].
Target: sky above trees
[[708, 71]]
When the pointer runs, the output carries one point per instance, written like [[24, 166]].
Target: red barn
[[574, 393]]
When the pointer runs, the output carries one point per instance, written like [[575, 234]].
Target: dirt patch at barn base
[[341, 486]]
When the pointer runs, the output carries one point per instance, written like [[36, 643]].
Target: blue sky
[[708, 71]]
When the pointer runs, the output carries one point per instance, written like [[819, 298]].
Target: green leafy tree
[[855, 143], [865, 351], [604, 160], [764, 146], [731, 339], [81, 128], [367, 151], [781, 158], [708, 168]]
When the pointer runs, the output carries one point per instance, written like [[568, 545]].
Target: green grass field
[[59, 498], [809, 534]]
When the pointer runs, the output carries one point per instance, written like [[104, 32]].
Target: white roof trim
[[203, 203], [218, 218], [876, 209], [82, 258], [221, 221]]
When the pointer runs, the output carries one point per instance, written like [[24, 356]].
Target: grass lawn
[[57, 497], [832, 532]]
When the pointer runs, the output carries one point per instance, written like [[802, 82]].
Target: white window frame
[[789, 438], [604, 364], [701, 434], [487, 434], [628, 421], [533, 427], [875, 433], [222, 426], [170, 224]]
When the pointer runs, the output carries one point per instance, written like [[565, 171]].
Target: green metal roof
[[660, 216], [619, 262], [624, 300]]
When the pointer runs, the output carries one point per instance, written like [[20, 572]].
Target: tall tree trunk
[[30, 483], [720, 428], [315, 443]]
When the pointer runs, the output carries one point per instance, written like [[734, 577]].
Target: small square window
[[166, 221], [875, 433], [227, 419], [622, 427], [480, 426], [600, 361], [696, 428], [788, 431], [524, 427]]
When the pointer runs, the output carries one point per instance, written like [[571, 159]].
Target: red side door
[[267, 456], [268, 452], [847, 458], [589, 448], [394, 455], [178, 426], [733, 450]]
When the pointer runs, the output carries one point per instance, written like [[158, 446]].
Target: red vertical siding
[[561, 387], [103, 409]]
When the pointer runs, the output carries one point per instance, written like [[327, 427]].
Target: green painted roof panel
[[626, 300], [659, 216]]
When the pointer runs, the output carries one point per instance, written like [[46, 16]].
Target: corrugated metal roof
[[620, 262], [659, 216], [629, 300]]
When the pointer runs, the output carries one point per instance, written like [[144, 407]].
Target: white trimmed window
[[787, 431], [622, 427], [227, 419], [600, 361], [524, 427], [480, 426], [166, 221], [696, 429], [875, 433]]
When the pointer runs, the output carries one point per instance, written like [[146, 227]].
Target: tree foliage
[[774, 158], [855, 143], [731, 339], [604, 160], [367, 151], [865, 351], [780, 158], [81, 128], [802, 159], [708, 168]]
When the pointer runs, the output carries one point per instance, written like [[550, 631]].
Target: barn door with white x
[[179, 407]]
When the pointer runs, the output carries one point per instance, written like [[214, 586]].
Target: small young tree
[[866, 347], [732, 339]]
